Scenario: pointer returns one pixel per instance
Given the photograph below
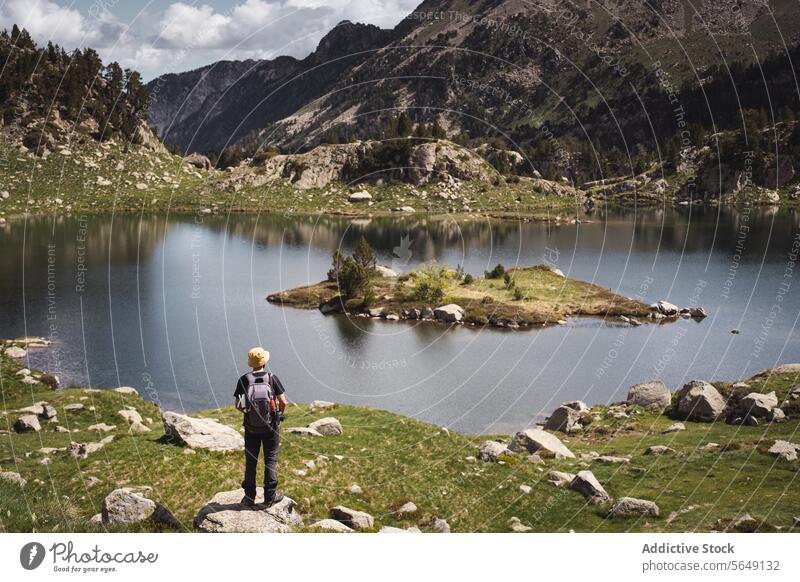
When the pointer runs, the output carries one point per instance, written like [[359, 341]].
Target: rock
[[355, 489], [301, 430], [784, 450], [129, 505], [633, 506], [352, 518], [75, 407], [697, 313], [12, 477], [652, 395], [60, 429], [450, 313], [224, 513], [612, 460], [676, 427], [29, 380], [535, 439], [491, 450], [139, 428], [48, 412], [587, 485], [130, 416], [666, 308], [360, 196], [83, 450], [328, 426], [15, 352], [709, 447], [391, 529], [560, 479], [659, 450], [385, 271], [331, 525], [23, 372], [318, 405], [407, 209], [577, 405], [199, 161], [408, 508], [126, 390], [517, 526], [758, 405], [27, 423], [102, 427], [525, 489], [36, 409], [777, 415], [201, 433], [564, 419], [440, 526], [700, 401], [91, 481], [784, 369]]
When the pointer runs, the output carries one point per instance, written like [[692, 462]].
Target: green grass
[[395, 459]]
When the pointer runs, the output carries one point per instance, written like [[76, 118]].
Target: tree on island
[[354, 274]]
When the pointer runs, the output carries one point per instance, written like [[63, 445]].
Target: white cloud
[[188, 35]]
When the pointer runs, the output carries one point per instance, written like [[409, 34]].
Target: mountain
[[525, 72]]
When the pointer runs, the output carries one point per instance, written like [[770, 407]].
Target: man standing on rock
[[261, 398]]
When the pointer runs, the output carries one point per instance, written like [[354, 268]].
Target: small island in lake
[[516, 297]]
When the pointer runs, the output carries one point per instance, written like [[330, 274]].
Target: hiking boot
[[277, 498], [247, 501]]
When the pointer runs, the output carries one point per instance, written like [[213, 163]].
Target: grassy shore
[[395, 459]]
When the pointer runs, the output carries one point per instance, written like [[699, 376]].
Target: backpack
[[260, 407]]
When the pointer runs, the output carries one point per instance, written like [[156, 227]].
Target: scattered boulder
[[303, 430], [352, 518], [633, 506], [450, 313], [759, 405], [27, 423], [517, 526], [355, 489], [83, 450], [12, 477], [777, 415], [666, 308], [612, 460], [318, 405], [700, 401], [536, 439], [130, 505], [564, 419], [360, 196], [577, 405], [659, 450], [587, 485], [15, 352], [328, 426], [102, 427], [74, 407], [408, 508], [201, 433], [560, 479], [440, 526], [652, 395], [392, 529], [199, 161], [224, 513], [385, 271], [525, 489], [491, 450], [130, 415], [331, 525], [139, 428], [784, 450], [676, 427], [126, 390]]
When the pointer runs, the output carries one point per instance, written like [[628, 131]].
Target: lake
[[171, 304]]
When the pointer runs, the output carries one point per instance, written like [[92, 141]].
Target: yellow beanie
[[257, 357]]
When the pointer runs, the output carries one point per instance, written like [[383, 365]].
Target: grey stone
[[578, 405], [224, 513], [759, 405], [564, 419], [317, 405], [352, 518], [784, 450], [440, 526], [408, 508], [658, 450], [560, 479], [302, 430], [83, 450], [450, 313], [331, 525], [361, 196], [700, 401], [130, 416], [328, 426], [652, 395], [587, 485], [490, 450], [633, 506], [777, 415], [535, 439], [12, 477], [27, 423], [74, 407], [15, 352], [102, 427], [517, 526], [612, 460], [201, 433], [676, 427], [130, 505], [126, 390]]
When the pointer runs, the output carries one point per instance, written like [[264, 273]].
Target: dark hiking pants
[[252, 444]]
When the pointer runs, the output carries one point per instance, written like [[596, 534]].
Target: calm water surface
[[171, 304]]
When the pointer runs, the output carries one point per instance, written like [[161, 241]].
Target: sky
[[163, 36]]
